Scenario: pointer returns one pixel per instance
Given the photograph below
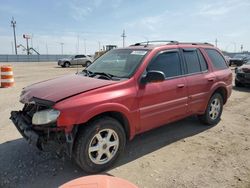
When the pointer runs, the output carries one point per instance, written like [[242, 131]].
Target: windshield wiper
[[110, 76], [87, 72]]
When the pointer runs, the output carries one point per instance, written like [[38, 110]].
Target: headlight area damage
[[37, 124]]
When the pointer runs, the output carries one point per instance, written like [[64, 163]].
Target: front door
[[164, 101]]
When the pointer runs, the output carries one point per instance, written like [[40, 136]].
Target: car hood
[[63, 87]]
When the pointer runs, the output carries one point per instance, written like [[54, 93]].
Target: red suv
[[127, 91]]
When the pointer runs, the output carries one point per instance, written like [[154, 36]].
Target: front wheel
[[98, 145], [66, 64], [213, 111]]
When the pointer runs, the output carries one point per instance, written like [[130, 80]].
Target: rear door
[[199, 79], [165, 101], [81, 60], [74, 60]]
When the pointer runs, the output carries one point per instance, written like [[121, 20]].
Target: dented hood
[[62, 87]]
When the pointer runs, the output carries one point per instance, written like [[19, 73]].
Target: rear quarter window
[[216, 58]]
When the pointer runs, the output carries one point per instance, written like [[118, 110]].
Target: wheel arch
[[67, 62], [223, 92], [120, 117]]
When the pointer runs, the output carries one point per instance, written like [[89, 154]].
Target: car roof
[[149, 45]]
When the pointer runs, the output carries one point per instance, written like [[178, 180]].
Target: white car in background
[[83, 60]]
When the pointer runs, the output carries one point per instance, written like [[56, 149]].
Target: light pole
[[62, 47], [13, 24]]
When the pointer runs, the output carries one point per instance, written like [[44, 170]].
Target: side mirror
[[153, 76]]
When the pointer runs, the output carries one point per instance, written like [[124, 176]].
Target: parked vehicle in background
[[75, 60], [239, 59], [242, 75], [126, 91], [227, 58]]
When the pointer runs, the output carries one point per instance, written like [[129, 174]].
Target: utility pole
[[62, 47], [241, 48], [12, 48], [123, 38], [13, 24], [216, 42]]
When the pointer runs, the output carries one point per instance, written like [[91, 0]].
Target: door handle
[[180, 85], [211, 79]]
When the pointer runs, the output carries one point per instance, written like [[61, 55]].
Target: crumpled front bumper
[[24, 128]]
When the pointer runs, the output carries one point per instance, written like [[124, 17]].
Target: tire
[[62, 66], [66, 64], [213, 111], [93, 158], [87, 64], [237, 83]]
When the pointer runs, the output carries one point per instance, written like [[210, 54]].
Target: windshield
[[120, 63]]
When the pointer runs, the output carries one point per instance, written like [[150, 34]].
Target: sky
[[84, 26]]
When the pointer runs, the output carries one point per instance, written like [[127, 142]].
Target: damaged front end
[[36, 122]]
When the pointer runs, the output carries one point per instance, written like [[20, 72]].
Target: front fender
[[78, 116], [132, 117]]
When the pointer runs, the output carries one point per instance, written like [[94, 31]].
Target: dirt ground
[[181, 154]]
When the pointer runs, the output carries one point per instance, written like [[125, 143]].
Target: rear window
[[202, 61], [216, 58]]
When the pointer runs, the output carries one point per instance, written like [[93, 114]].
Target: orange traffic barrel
[[98, 181], [7, 79]]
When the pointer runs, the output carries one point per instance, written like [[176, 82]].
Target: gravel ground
[[181, 154]]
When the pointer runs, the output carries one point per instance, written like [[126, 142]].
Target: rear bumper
[[25, 129]]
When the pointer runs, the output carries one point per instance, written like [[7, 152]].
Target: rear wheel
[[87, 64], [99, 144], [213, 111]]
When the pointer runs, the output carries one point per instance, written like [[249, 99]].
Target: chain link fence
[[31, 58]]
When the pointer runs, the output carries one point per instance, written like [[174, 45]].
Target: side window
[[216, 58], [81, 56], [77, 56], [202, 61], [192, 61], [167, 62]]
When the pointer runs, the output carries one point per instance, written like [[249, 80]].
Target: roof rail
[[146, 43], [194, 43], [170, 42]]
